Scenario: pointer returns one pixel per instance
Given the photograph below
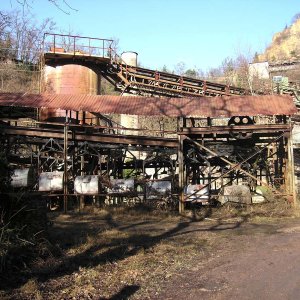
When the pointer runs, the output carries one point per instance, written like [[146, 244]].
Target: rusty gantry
[[232, 147]]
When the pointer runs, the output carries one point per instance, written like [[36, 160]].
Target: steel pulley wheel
[[240, 121]]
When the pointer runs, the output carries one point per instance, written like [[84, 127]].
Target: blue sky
[[164, 32]]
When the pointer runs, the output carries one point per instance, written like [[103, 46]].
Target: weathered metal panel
[[157, 189], [296, 134], [121, 186], [51, 181], [22, 178], [70, 79], [87, 185], [196, 192], [150, 106]]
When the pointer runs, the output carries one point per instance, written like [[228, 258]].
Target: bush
[[23, 226]]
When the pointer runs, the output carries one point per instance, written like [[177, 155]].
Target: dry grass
[[31, 289], [117, 252], [110, 254]]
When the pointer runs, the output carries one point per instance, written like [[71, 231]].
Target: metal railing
[[76, 45]]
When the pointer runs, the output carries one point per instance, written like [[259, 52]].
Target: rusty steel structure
[[207, 152], [150, 106], [223, 136], [99, 55]]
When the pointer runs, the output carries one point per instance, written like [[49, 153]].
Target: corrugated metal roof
[[151, 106]]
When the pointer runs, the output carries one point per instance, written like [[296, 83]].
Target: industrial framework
[[198, 163], [99, 55], [235, 148]]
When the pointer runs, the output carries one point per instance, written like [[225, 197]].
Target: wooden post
[[181, 174], [65, 168]]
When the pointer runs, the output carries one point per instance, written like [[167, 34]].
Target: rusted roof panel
[[150, 106]]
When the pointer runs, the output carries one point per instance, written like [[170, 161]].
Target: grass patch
[[118, 252]]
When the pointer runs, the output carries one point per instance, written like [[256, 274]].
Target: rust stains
[[267, 105]]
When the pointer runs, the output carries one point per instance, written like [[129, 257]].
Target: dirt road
[[254, 265]]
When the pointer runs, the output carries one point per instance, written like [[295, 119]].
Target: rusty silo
[[69, 79]]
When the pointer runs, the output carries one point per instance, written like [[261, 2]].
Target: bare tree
[[22, 36], [20, 41], [179, 68], [62, 5], [228, 67], [214, 73], [191, 73], [246, 80]]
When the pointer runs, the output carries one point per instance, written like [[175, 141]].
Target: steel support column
[[181, 173], [65, 168]]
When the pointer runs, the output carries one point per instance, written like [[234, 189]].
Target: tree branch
[[66, 3], [25, 4], [54, 2]]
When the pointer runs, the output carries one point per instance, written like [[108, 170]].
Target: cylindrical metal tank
[[196, 192], [87, 185], [22, 177], [68, 79], [121, 186], [51, 181], [158, 188], [130, 58]]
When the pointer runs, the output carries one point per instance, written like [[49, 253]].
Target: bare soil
[[132, 254]]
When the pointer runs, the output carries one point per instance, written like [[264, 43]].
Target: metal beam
[[97, 138], [257, 128], [181, 173]]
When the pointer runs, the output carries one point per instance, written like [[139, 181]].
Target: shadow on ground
[[118, 248]]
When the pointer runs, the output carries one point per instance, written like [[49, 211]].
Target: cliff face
[[285, 45]]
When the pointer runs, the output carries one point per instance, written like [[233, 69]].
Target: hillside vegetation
[[285, 45]]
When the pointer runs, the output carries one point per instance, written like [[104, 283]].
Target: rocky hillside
[[285, 45]]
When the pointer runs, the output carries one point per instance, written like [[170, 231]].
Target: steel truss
[[210, 156]]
